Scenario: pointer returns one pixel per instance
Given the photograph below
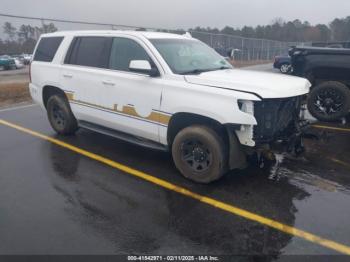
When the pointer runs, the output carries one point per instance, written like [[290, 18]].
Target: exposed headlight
[[246, 106]]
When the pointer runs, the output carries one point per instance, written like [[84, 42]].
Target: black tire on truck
[[60, 115], [329, 101], [199, 154]]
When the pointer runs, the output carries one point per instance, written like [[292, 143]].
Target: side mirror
[[143, 67]]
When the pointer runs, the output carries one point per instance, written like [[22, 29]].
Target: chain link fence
[[236, 47], [245, 49]]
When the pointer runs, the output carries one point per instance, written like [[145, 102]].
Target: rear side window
[[89, 51], [47, 49]]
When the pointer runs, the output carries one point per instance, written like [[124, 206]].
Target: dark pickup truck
[[328, 69]]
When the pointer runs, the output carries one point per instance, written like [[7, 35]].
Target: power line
[[215, 38], [125, 26], [75, 21]]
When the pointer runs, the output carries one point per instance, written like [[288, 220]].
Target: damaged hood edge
[[265, 85]]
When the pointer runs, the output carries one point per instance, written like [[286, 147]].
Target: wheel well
[[322, 74], [180, 121], [49, 91]]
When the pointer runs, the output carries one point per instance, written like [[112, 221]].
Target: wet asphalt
[[55, 201]]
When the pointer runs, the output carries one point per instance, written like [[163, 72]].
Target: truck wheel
[[285, 68], [60, 115], [199, 154], [329, 101]]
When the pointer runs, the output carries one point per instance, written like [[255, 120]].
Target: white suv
[[167, 92]]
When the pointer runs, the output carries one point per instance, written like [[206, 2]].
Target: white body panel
[[266, 85], [142, 105]]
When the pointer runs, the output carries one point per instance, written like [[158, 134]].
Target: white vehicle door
[[134, 97], [82, 74]]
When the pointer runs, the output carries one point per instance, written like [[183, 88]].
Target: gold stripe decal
[[70, 96], [155, 116]]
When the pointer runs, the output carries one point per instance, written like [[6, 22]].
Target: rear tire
[[329, 101], [60, 115], [199, 154], [285, 68]]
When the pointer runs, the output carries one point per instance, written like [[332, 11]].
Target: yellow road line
[[332, 128], [183, 191], [340, 162]]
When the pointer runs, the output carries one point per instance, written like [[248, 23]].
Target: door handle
[[67, 75], [108, 83]]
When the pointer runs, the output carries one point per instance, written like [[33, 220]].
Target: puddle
[[303, 177]]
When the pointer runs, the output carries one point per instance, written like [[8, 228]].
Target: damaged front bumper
[[280, 129], [291, 142]]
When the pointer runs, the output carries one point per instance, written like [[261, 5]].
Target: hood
[[265, 85]]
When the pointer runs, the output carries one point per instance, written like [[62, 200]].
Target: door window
[[123, 51], [89, 51], [47, 49]]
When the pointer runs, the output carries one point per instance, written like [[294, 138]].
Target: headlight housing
[[246, 106]]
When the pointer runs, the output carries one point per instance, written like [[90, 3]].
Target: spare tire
[[329, 101]]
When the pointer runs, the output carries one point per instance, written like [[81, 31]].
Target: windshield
[[187, 56]]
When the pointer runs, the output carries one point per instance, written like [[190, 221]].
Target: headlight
[[246, 106]]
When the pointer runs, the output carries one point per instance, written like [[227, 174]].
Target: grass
[[11, 93]]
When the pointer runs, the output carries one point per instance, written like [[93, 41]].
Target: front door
[[134, 97]]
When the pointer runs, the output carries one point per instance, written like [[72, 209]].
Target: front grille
[[277, 118]]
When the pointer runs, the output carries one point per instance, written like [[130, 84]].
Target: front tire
[[329, 101], [199, 154], [60, 115]]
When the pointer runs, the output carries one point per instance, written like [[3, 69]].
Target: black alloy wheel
[[196, 155], [329, 101], [200, 154]]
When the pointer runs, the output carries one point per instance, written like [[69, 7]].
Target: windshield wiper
[[199, 71], [195, 72], [222, 68]]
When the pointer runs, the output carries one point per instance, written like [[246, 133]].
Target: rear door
[[82, 75]]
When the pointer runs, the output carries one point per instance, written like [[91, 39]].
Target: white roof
[[149, 35]]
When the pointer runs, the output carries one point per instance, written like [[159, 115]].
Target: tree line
[[291, 31], [23, 39]]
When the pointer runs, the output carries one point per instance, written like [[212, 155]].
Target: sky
[[176, 13]]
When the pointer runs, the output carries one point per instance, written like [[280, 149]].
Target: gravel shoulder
[[14, 86]]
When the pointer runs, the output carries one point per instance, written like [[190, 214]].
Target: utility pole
[[43, 25]]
